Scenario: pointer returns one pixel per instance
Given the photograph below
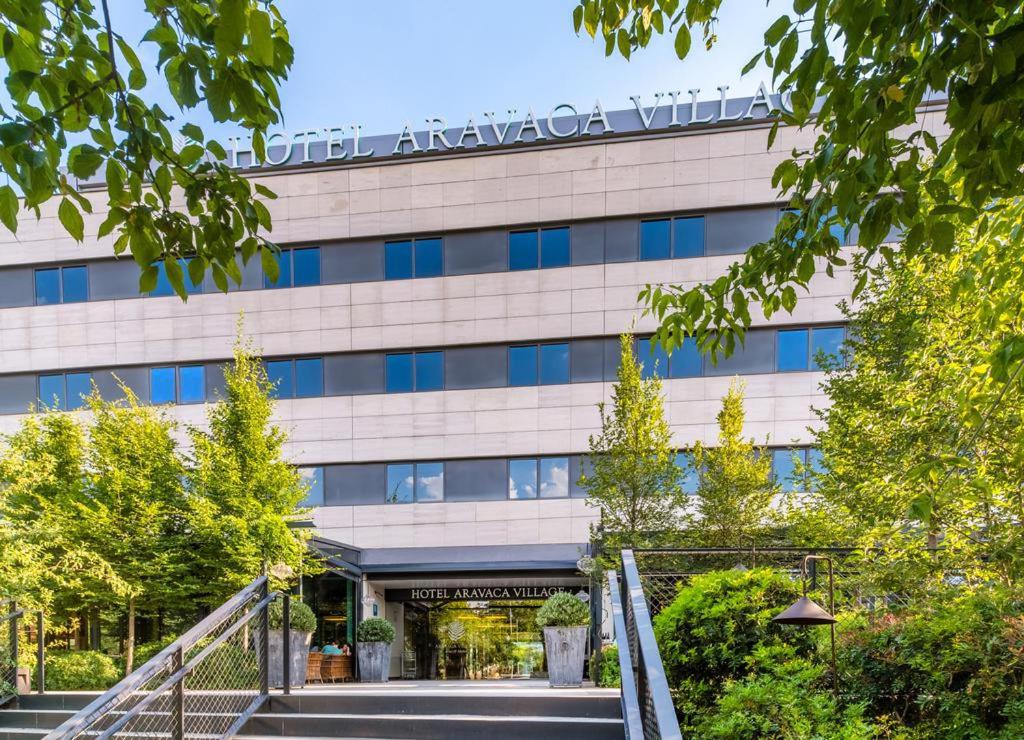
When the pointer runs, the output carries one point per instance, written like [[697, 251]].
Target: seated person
[[331, 648], [345, 649]]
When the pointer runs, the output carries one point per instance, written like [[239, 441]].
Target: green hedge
[[79, 670], [608, 676], [563, 609]]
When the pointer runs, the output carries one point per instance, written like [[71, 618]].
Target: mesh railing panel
[[8, 651]]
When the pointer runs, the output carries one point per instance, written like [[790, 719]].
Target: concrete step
[[400, 702], [18, 733], [71, 700], [33, 718]]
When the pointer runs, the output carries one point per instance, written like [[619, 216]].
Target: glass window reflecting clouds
[[828, 341], [522, 479], [400, 484], [430, 481], [314, 478], [554, 477]]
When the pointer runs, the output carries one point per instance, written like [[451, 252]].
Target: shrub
[[715, 624], [608, 676], [146, 650], [228, 667], [80, 670], [563, 610], [375, 629], [301, 616]]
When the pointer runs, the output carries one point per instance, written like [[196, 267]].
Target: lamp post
[[806, 612]]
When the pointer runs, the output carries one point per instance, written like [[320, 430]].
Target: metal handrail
[[140, 677], [648, 658], [627, 682]]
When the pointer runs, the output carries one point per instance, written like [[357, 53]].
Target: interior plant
[[564, 619], [374, 637]]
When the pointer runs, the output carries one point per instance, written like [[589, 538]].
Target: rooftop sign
[[663, 111]]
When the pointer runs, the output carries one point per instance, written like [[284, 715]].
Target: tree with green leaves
[[735, 491], [75, 88], [862, 74], [248, 493], [633, 478]]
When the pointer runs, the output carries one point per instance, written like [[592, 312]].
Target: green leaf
[[230, 27], [9, 208], [269, 261], [71, 219], [192, 132], [261, 43], [147, 279], [777, 30], [622, 41], [265, 191], [683, 41], [114, 218], [577, 18]]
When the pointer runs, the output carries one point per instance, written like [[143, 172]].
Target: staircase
[[492, 712], [38, 714]]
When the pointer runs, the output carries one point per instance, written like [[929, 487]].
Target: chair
[[313, 668], [337, 667]]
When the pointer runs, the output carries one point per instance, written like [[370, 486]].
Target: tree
[[859, 72], [74, 87], [633, 479], [249, 493], [735, 491]]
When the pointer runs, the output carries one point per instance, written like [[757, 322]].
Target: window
[[314, 478], [554, 477], [161, 385], [429, 482], [79, 386], [554, 247], [191, 384], [75, 284], [429, 258], [784, 468], [400, 484], [429, 371], [688, 478], [47, 286], [554, 364], [826, 341], [51, 391], [309, 377], [408, 372], [163, 283], [685, 362], [296, 268], [522, 365], [655, 239], [791, 350], [688, 237], [522, 250], [398, 260], [284, 270], [67, 392], [522, 479], [398, 375], [281, 375], [653, 358]]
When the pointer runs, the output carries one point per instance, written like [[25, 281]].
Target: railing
[[633, 723], [644, 668], [9, 653], [206, 683]]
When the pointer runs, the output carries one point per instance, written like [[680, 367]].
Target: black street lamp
[[806, 612]]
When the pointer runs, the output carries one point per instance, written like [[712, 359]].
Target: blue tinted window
[[554, 247], [827, 340], [397, 260], [284, 267], [280, 374], [554, 477], [522, 365], [400, 484], [815, 461], [429, 258], [309, 377], [306, 266], [655, 240], [554, 364], [47, 286], [430, 481], [76, 284], [398, 373], [161, 385], [653, 358], [51, 391], [791, 350], [784, 463], [314, 478], [429, 371], [688, 237], [191, 384], [163, 284], [522, 479], [522, 250], [79, 387], [688, 478], [685, 362]]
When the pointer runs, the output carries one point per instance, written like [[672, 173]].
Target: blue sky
[[379, 64]]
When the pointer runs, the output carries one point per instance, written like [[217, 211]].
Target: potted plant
[[302, 624], [374, 637], [564, 619]]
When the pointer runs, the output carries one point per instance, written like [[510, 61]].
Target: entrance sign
[[663, 111], [475, 593]]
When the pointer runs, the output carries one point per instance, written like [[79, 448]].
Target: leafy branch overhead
[[862, 73], [76, 99]]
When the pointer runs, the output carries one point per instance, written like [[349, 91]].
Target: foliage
[[228, 666], [714, 625], [634, 480], [733, 505], [610, 675], [948, 667], [300, 617], [75, 90], [859, 72], [563, 609], [375, 629], [79, 670], [146, 650], [782, 698], [249, 492]]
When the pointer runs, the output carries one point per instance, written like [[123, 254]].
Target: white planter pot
[[374, 661], [565, 650]]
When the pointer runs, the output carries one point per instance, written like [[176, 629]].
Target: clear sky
[[380, 63]]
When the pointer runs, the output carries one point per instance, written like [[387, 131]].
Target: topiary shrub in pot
[[564, 619], [302, 625], [374, 637]]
